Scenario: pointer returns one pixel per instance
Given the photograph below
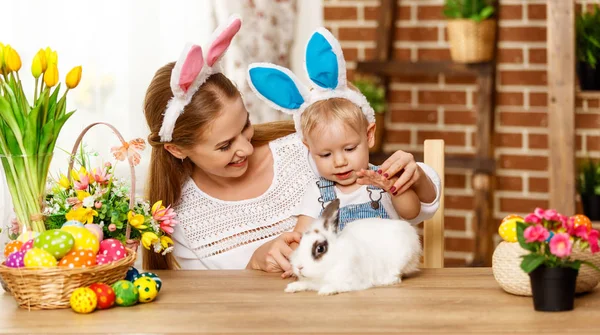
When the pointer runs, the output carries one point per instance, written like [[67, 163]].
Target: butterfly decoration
[[130, 150]]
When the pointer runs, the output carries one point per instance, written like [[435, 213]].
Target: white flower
[[88, 201], [168, 250]]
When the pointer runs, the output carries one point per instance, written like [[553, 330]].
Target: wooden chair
[[433, 229]]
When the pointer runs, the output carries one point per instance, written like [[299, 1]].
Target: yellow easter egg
[[84, 239], [39, 258], [83, 300], [508, 230]]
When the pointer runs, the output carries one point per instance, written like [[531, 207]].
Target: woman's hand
[[274, 255], [370, 177]]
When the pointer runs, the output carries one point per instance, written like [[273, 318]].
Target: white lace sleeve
[[310, 205]]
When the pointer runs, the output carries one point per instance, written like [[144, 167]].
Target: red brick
[[509, 98], [400, 96], [524, 119], [428, 13], [402, 13], [523, 77], [414, 116], [453, 138], [538, 56], [459, 202], [538, 184], [578, 101], [508, 140], [509, 183], [536, 11], [357, 34], [511, 12], [510, 205], [433, 54], [455, 181], [459, 244], [397, 136], [593, 103], [538, 141], [416, 79], [528, 162], [466, 117], [443, 97], [350, 54], [340, 13], [592, 143], [538, 99], [455, 223], [587, 121], [401, 54], [349, 73], [522, 34], [461, 80], [510, 56], [416, 34]]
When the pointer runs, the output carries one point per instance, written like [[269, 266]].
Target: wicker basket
[[51, 288], [506, 266], [471, 41]]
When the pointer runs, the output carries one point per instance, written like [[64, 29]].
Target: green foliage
[[373, 91], [587, 27], [476, 10], [588, 179]]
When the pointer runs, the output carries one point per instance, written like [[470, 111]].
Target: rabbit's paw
[[297, 286], [328, 290]]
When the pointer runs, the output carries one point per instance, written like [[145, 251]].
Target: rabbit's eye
[[319, 249]]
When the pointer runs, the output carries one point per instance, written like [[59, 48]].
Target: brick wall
[[443, 107]]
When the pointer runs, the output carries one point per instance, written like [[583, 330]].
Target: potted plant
[[550, 238], [587, 28], [588, 183], [471, 30], [374, 91]]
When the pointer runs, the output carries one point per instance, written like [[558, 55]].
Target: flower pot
[[589, 79], [553, 288], [379, 132], [591, 206], [471, 41]]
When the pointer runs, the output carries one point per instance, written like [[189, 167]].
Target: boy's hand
[[370, 177]]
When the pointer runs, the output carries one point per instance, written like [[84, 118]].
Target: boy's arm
[[407, 204]]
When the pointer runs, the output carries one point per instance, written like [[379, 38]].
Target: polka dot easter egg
[[83, 300], [27, 246], [102, 259], [28, 235], [113, 249], [84, 239], [126, 293], [58, 243], [96, 230], [39, 258], [16, 259], [104, 294], [74, 223], [78, 259], [11, 247], [508, 228], [154, 277], [146, 288], [131, 274]]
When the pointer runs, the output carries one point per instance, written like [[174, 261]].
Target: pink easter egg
[[27, 246], [96, 230], [16, 259], [102, 259], [113, 249]]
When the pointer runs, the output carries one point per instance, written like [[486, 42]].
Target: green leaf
[[590, 265], [531, 262], [521, 226], [486, 12], [31, 129]]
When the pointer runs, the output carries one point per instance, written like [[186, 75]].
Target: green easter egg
[[126, 293], [56, 242]]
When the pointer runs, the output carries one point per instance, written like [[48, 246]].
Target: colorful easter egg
[[57, 242], [102, 259], [582, 220], [28, 235], [152, 275], [37, 257], [508, 231], [12, 246], [512, 217], [78, 259], [96, 230], [104, 294], [16, 259], [113, 249], [28, 245], [131, 274], [83, 300], [74, 223], [84, 239], [126, 293], [146, 289]]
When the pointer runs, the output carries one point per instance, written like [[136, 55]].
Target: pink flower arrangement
[[551, 238]]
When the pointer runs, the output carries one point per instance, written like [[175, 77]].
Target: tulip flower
[[73, 77], [51, 75]]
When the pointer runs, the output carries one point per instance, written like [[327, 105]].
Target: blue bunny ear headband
[[326, 69]]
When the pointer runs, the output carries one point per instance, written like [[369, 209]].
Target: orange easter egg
[[511, 217], [78, 259], [11, 247], [582, 220]]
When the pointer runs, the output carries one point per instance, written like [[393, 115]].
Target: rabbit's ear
[[330, 216], [186, 69], [324, 60], [277, 86], [222, 39]]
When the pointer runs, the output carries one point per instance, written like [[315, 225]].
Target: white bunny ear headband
[[192, 70], [326, 69]]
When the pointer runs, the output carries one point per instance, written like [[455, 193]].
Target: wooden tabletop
[[452, 300]]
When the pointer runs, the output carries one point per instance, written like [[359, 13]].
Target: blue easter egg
[[550, 237], [73, 223], [131, 274]]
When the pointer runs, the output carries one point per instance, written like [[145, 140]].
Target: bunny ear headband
[[326, 69], [192, 70]]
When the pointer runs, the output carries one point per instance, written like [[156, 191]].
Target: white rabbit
[[367, 253]]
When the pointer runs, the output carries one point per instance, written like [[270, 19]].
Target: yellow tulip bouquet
[[28, 131]]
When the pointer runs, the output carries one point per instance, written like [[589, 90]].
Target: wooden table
[[452, 300]]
